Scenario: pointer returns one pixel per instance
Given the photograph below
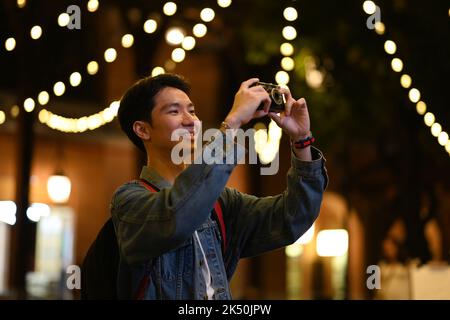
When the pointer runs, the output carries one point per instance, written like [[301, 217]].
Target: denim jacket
[[155, 231]]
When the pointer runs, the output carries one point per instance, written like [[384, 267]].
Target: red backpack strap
[[219, 213], [145, 281], [142, 288], [148, 185]]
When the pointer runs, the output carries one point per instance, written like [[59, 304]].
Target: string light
[[157, 71], [59, 88], [436, 129], [92, 67], [43, 98], [290, 14], [282, 77], [369, 7], [287, 49], [150, 26], [421, 108], [92, 5], [178, 54], [224, 3], [110, 54], [207, 14], [443, 138], [2, 117], [289, 33], [188, 43], [94, 121], [21, 3], [175, 36], [15, 110], [199, 30], [75, 79], [170, 8], [397, 65], [405, 80], [28, 105], [36, 32], [429, 119], [10, 44], [380, 27], [127, 40], [414, 95], [71, 125], [63, 19], [287, 63], [390, 47]]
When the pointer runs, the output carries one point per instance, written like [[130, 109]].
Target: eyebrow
[[175, 104]]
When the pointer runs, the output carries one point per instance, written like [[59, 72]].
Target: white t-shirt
[[205, 271]]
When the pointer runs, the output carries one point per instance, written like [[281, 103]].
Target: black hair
[[139, 100]]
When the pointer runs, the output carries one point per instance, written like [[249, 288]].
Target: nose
[[188, 119]]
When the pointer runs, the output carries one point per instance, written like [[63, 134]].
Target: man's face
[[173, 110]]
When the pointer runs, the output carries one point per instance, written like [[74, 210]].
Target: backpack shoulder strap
[[148, 185], [219, 214]]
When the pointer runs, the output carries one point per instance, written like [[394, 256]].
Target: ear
[[142, 129]]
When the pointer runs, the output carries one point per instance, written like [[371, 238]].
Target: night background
[[388, 158]]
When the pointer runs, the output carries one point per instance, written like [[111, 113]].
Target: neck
[[162, 163]]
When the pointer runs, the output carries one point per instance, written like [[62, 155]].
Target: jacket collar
[[151, 175]]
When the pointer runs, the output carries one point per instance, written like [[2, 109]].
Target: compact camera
[[276, 96]]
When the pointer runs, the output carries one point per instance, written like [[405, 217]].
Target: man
[[170, 244]]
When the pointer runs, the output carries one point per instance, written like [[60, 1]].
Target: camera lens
[[277, 96]]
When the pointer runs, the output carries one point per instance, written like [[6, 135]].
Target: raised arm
[[257, 225]]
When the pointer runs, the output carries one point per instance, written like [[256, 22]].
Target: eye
[[192, 111], [173, 111]]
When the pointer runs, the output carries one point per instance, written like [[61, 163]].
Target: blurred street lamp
[[332, 243], [59, 187]]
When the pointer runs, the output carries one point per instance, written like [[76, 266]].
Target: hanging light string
[[289, 33], [94, 121], [37, 31], [97, 120], [59, 87], [267, 144], [176, 37], [82, 124], [105, 116], [406, 81]]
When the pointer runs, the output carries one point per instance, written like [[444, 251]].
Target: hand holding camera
[[256, 99], [246, 101]]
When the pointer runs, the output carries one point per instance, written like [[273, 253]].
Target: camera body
[[276, 96]]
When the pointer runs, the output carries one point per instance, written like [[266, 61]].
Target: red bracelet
[[303, 143]]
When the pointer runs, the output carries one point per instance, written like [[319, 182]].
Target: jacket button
[[205, 297], [201, 263]]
